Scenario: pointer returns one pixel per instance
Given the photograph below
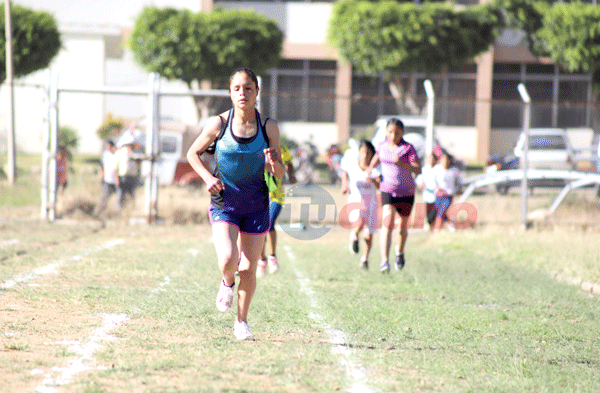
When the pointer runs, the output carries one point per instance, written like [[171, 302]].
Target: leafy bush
[[110, 127], [68, 139]]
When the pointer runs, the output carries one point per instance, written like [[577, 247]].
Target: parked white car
[[549, 148]]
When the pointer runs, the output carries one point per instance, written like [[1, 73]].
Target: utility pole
[[525, 154], [11, 168]]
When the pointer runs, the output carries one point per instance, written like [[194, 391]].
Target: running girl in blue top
[[244, 147]]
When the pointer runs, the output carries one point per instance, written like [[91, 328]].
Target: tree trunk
[[405, 98], [205, 105]]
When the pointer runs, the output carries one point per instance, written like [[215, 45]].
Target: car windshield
[[547, 142]]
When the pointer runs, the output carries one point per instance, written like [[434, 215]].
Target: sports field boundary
[[21, 279], [85, 361], [585, 286], [354, 370]]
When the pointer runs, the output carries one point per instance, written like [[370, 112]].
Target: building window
[[456, 106], [506, 104], [574, 110], [300, 90], [367, 99], [454, 101], [557, 99]]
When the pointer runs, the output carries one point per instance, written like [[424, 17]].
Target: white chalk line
[[167, 280], [110, 322], [8, 242], [161, 287], [85, 361], [354, 370], [52, 267]]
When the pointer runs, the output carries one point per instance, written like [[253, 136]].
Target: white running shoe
[[385, 267], [224, 297], [273, 265], [260, 269], [364, 263], [241, 330]]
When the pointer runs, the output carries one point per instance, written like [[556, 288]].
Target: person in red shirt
[[62, 167]]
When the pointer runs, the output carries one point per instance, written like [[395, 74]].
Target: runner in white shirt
[[362, 190], [426, 182], [108, 174], [448, 181]]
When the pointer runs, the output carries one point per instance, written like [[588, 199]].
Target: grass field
[[91, 306], [132, 309]]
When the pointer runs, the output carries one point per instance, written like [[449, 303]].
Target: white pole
[[430, 115], [45, 152], [525, 157], [152, 136], [155, 147], [12, 166], [53, 147], [259, 105]]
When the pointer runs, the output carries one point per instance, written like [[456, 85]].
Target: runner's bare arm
[[208, 135], [273, 161], [373, 164]]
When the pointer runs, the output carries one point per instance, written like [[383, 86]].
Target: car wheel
[[502, 189]]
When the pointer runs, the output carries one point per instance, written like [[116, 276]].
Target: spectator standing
[[62, 167], [127, 169], [362, 188], [108, 174]]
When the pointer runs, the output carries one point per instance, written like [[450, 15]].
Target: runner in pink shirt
[[399, 164]]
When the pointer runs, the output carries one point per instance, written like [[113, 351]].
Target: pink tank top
[[396, 181]]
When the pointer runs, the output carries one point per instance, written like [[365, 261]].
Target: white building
[[311, 93], [93, 55]]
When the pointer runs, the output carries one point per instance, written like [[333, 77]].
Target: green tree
[[197, 47], [395, 38], [35, 37], [570, 35], [567, 33]]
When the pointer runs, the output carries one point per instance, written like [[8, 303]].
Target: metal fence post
[[10, 131], [53, 146], [430, 116], [152, 142], [45, 151], [525, 157]]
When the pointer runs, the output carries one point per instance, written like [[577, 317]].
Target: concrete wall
[[301, 22], [91, 33], [29, 120], [80, 64], [322, 135], [580, 138], [461, 142], [503, 141]]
